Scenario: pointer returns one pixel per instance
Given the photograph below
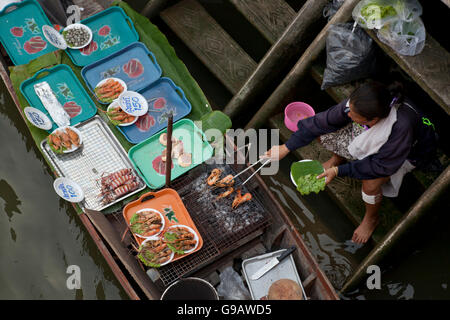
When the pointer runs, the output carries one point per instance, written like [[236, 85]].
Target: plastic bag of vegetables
[[406, 38], [372, 14], [350, 55], [407, 10]]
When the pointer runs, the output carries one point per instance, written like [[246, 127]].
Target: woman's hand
[[276, 153], [330, 174]]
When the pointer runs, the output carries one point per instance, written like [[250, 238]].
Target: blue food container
[[134, 64], [163, 97], [112, 30]]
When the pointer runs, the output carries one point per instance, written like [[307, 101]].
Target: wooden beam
[[210, 43], [430, 69], [289, 84], [277, 57], [422, 207], [270, 17]]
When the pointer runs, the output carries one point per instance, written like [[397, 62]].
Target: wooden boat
[[273, 232]]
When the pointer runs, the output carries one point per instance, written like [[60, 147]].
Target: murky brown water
[[40, 234]]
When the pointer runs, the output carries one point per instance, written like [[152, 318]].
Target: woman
[[375, 137]]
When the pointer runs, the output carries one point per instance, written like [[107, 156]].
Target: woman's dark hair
[[373, 99]]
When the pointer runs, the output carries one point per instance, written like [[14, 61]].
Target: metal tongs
[[260, 160]]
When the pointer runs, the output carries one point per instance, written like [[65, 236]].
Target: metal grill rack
[[99, 154], [220, 226]]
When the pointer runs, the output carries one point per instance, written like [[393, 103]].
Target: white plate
[[155, 236], [38, 118], [124, 85], [292, 178], [190, 230], [77, 25], [115, 103], [133, 103], [68, 190], [76, 131], [171, 256]]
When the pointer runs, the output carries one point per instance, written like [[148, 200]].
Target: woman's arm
[[324, 122]]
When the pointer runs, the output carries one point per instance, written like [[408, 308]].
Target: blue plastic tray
[[68, 90], [21, 31], [134, 64], [112, 30], [163, 96]]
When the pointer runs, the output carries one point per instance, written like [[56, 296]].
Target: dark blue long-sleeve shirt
[[399, 147]]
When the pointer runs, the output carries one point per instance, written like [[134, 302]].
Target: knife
[[271, 263]]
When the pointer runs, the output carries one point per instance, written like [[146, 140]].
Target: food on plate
[[119, 117], [154, 253], [185, 160], [214, 176], [146, 223], [76, 36], [180, 239], [239, 199], [163, 139], [63, 139], [309, 183], [225, 194], [177, 151], [109, 90], [285, 289], [117, 184]]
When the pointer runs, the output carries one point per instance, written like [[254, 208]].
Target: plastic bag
[[331, 8], [372, 14], [231, 286], [407, 10], [406, 38], [350, 55]]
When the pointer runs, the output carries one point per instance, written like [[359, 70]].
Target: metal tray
[[21, 31], [173, 100], [100, 153], [68, 90], [112, 30], [284, 270], [115, 65]]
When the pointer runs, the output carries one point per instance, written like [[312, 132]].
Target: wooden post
[[416, 212], [169, 150], [154, 7], [277, 57], [289, 84]]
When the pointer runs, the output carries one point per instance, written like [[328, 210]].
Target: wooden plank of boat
[[112, 238], [270, 17], [210, 43]]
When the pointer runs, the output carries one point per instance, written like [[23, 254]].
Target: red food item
[[104, 31], [133, 68], [145, 122], [160, 166], [34, 45], [16, 31], [91, 47], [159, 103], [72, 108]]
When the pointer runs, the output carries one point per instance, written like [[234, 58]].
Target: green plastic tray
[[145, 155]]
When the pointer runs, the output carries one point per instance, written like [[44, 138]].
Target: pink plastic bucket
[[296, 111]]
